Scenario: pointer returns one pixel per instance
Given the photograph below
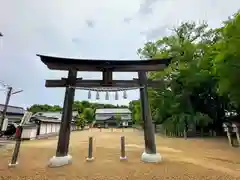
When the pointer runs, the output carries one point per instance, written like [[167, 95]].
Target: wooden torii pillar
[[150, 154], [62, 157], [106, 67]]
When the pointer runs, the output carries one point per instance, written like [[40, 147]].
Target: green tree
[[118, 119], [77, 106], [88, 115], [44, 108], [134, 107], [81, 122], [188, 93], [227, 60]]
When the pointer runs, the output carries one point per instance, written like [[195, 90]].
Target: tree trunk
[[202, 132], [185, 134]]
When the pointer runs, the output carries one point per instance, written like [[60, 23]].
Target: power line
[[7, 86], [4, 84]]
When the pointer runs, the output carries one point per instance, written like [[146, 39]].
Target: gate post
[[150, 154], [123, 151], [62, 157], [90, 149]]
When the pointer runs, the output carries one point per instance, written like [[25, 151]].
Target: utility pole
[[6, 102], [1, 35], [9, 93]]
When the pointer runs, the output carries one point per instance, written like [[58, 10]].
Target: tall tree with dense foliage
[[201, 83], [228, 60], [118, 119], [172, 102], [134, 107], [88, 115], [81, 121]]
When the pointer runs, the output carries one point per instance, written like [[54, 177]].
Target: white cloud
[[58, 27]]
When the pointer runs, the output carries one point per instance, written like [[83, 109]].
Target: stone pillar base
[[90, 159], [60, 161], [151, 158], [12, 165], [123, 158]]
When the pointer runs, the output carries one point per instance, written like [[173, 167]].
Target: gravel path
[[182, 159]]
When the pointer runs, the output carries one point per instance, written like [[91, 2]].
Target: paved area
[[182, 159]]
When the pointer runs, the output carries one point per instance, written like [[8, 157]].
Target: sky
[[106, 29]]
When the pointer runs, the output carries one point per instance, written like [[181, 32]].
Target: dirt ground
[[182, 159]]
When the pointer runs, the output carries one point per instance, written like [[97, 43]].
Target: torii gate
[[107, 67]]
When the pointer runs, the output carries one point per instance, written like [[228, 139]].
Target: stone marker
[[90, 149], [123, 153], [227, 130], [236, 130]]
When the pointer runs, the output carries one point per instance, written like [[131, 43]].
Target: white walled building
[[46, 124], [107, 117], [14, 113]]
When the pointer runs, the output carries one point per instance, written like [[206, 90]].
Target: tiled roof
[[45, 119], [102, 118], [113, 111], [51, 116], [55, 115], [12, 109]]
